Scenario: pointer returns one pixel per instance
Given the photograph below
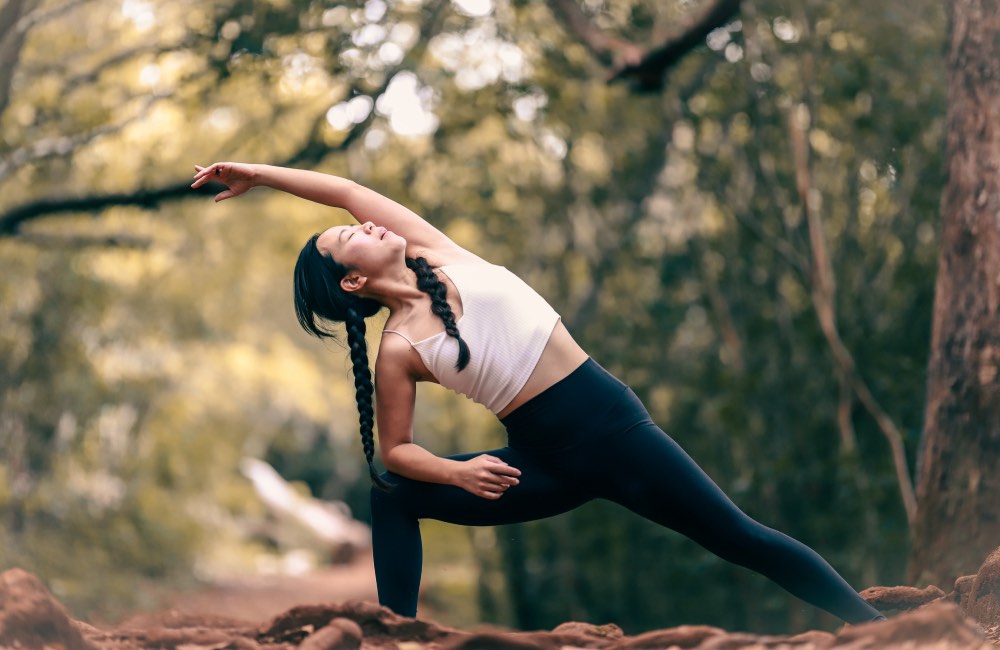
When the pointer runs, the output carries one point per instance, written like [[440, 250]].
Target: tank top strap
[[400, 334]]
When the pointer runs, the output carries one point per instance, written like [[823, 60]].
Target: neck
[[398, 291]]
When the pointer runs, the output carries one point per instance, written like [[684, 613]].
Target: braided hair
[[428, 282], [321, 301]]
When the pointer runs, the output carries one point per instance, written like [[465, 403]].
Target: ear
[[353, 281]]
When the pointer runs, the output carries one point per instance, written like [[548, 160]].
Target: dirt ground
[[264, 613], [260, 598]]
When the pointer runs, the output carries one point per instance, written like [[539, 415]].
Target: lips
[[384, 233]]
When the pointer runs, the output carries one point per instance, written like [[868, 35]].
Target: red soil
[[259, 614]]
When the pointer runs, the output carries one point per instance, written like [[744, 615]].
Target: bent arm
[[395, 396], [395, 390], [413, 461]]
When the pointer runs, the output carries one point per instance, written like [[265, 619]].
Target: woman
[[575, 432]]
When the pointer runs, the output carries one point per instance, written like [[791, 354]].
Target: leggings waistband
[[586, 404]]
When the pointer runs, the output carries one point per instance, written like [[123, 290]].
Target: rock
[[900, 598], [685, 636], [375, 622], [31, 617], [340, 634], [963, 587], [940, 625], [812, 639], [497, 641], [607, 631], [573, 635], [984, 595]]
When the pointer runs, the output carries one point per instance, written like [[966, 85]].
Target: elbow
[[389, 461]]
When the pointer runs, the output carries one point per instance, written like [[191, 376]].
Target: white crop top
[[506, 325]]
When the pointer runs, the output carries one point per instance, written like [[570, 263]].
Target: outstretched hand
[[486, 476], [238, 177]]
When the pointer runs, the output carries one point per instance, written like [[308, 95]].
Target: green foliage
[[666, 229]]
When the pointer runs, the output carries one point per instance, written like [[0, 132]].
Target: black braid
[[320, 301], [428, 282], [363, 390]]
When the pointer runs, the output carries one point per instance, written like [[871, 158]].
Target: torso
[[561, 355]]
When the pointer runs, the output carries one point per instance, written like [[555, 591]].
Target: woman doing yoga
[[574, 432]]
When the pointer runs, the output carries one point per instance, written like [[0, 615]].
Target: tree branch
[[64, 145], [824, 287], [672, 49], [90, 76], [114, 240], [11, 221], [607, 49], [644, 67], [823, 290], [16, 19], [42, 15], [312, 151], [607, 253], [11, 43]]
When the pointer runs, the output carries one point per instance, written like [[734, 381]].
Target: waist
[[588, 403], [560, 357]]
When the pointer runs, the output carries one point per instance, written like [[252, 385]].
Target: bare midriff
[[561, 356]]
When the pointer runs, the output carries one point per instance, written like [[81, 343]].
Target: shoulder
[[398, 363], [393, 354], [447, 255]]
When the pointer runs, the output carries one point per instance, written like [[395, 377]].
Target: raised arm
[[364, 204]]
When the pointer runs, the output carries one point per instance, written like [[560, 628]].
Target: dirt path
[[31, 618], [259, 598]]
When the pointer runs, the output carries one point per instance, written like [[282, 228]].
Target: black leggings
[[589, 437]]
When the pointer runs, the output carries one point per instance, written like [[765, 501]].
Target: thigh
[[650, 474], [539, 494]]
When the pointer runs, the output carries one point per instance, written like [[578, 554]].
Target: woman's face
[[366, 247]]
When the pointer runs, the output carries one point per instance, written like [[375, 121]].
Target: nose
[[367, 227]]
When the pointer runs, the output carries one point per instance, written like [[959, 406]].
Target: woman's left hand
[[238, 177], [485, 476]]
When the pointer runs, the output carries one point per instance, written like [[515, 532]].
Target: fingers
[[492, 491], [502, 482], [204, 173], [493, 477], [505, 470], [495, 487], [221, 173], [203, 176]]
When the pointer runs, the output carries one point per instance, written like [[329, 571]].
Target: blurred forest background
[[751, 243]]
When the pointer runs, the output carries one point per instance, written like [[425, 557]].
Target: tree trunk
[[958, 487]]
